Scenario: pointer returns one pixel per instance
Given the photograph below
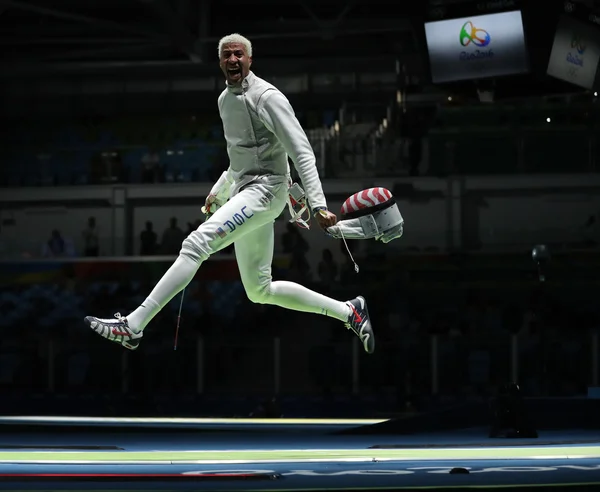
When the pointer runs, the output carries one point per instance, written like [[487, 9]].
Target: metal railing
[[430, 365], [430, 340]]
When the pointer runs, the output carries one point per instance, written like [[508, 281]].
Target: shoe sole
[[371, 332], [123, 343], [130, 347]]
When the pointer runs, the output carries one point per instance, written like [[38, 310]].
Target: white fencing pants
[[246, 220]]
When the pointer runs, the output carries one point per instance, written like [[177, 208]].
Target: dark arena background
[[480, 117]]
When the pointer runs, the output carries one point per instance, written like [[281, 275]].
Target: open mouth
[[234, 72]]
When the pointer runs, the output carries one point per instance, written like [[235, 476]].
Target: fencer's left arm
[[276, 112]]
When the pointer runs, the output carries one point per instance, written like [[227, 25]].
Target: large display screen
[[575, 52], [480, 46]]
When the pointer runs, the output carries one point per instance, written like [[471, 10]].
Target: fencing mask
[[369, 214]]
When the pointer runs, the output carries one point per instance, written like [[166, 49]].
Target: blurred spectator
[[172, 238], [590, 230], [295, 245], [148, 241], [151, 168], [57, 246], [192, 226], [91, 245]]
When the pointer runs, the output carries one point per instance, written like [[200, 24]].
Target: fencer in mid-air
[[261, 131]]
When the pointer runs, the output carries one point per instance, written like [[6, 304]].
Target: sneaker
[[360, 323], [116, 330]]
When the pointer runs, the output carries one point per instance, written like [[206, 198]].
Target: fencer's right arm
[[276, 112], [219, 193]]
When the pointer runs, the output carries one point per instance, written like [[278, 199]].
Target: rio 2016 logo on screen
[[471, 35], [578, 44]]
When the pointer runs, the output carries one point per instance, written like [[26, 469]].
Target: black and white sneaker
[[116, 330], [360, 323]]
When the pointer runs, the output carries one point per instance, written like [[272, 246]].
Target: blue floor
[[384, 475], [316, 476]]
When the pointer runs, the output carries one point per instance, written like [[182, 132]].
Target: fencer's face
[[235, 63]]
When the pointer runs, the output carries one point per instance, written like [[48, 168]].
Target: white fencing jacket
[[261, 131]]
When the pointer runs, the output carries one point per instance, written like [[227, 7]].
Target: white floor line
[[320, 451], [197, 421], [358, 459]]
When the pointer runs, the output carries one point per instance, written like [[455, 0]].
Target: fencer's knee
[[194, 247], [260, 293]]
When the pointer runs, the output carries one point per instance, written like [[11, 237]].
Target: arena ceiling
[[168, 38], [105, 35]]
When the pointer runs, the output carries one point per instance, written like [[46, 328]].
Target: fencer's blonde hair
[[235, 38]]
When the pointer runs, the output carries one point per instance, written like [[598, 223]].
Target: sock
[[177, 277], [297, 297]]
